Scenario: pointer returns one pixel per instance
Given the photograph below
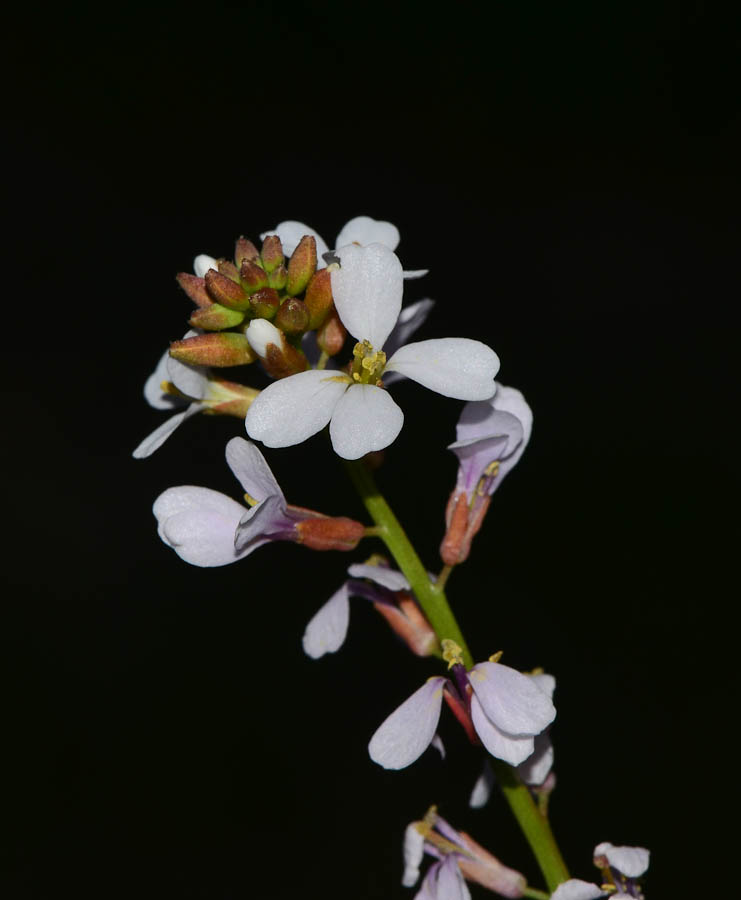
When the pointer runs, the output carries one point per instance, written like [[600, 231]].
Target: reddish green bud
[[227, 398], [330, 533], [264, 303], [245, 251], [195, 288], [302, 265], [280, 362], [216, 318], [226, 267], [226, 348], [293, 316], [331, 335], [272, 253], [223, 290], [278, 277], [318, 298], [253, 276]]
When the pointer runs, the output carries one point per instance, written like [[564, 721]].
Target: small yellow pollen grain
[[495, 657], [452, 653], [250, 500]]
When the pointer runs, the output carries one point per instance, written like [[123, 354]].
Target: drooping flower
[[361, 230], [362, 417], [389, 592], [621, 868], [207, 528], [491, 437], [174, 384], [497, 705], [458, 856]]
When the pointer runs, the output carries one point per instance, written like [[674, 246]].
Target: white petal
[[513, 701], [410, 274], [367, 291], [575, 889], [364, 230], [250, 467], [153, 393], [408, 731], [630, 861], [158, 437], [414, 851], [455, 367], [538, 765], [202, 263], [366, 418], [546, 682], [451, 884], [326, 631], [199, 524], [437, 743], [191, 380], [260, 333], [290, 410], [388, 578], [291, 232], [513, 750], [482, 789]]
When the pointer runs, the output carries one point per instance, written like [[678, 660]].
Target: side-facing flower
[[194, 389], [362, 417], [491, 437], [389, 592], [361, 230], [458, 856], [496, 704], [207, 528], [621, 868]]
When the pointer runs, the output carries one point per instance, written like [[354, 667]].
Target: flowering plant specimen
[[289, 308]]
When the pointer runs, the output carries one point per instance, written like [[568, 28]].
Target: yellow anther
[[355, 376], [489, 472], [538, 670], [452, 653], [495, 657], [250, 500], [492, 468], [342, 379]]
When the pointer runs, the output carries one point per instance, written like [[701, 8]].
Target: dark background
[[570, 176]]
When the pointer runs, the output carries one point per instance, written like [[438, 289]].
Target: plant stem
[[535, 894], [431, 597]]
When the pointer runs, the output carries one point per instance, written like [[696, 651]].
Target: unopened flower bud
[[223, 290], [227, 267], [253, 276], [245, 251], [216, 318], [293, 316], [278, 278], [409, 622], [278, 357], [330, 533], [463, 522], [302, 265], [264, 303], [228, 398], [331, 335], [486, 870], [272, 253], [318, 298], [195, 288], [219, 349]]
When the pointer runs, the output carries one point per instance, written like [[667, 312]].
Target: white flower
[[362, 417], [360, 230]]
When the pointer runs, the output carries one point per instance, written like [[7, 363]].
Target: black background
[[570, 176]]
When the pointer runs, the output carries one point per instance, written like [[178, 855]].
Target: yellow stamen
[[250, 500], [452, 653], [495, 657]]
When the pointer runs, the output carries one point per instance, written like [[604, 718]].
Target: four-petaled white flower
[[362, 417]]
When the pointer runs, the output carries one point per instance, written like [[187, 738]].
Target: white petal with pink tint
[[408, 731], [513, 750], [630, 861], [575, 889], [327, 630], [513, 702]]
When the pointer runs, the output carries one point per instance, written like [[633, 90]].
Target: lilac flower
[[388, 590], [491, 437], [207, 528], [361, 230], [457, 855], [175, 384], [361, 415], [500, 706], [621, 868]]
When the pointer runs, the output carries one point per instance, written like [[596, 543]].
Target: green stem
[[431, 597], [535, 894]]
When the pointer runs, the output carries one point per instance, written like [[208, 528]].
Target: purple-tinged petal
[[629, 861], [327, 629], [546, 682], [408, 731], [199, 524], [482, 789], [388, 578], [293, 409], [367, 291], [158, 437], [410, 319], [202, 263], [365, 230], [251, 470], [437, 743], [513, 702], [512, 750], [575, 889], [290, 234], [473, 458], [454, 367], [414, 844], [366, 418], [428, 888], [538, 765], [153, 392], [262, 523], [451, 884]]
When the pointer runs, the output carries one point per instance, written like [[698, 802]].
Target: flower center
[[368, 364]]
